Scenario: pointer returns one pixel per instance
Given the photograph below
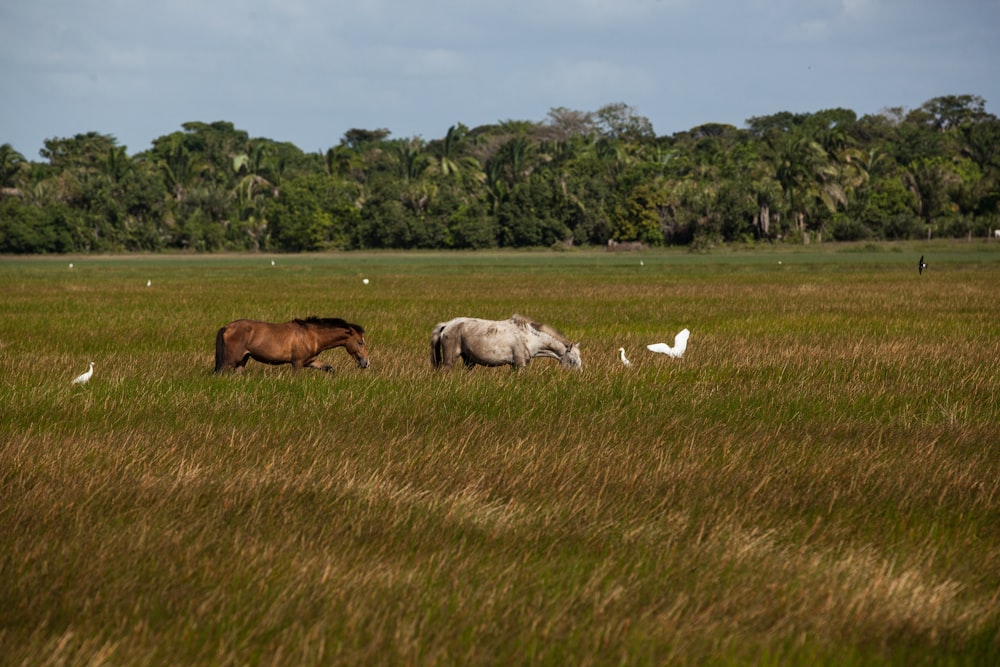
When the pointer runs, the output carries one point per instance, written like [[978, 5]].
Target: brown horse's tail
[[220, 349], [436, 352]]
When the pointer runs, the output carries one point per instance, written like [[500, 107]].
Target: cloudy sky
[[306, 71]]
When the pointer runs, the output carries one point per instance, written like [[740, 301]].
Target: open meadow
[[816, 481]]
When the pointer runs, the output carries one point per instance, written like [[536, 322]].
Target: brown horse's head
[[355, 345]]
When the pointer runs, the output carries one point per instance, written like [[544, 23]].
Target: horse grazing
[[298, 342], [513, 342]]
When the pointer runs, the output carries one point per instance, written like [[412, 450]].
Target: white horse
[[513, 342]]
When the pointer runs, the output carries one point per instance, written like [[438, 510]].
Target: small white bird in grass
[[148, 283], [82, 378], [677, 351], [621, 355], [365, 281]]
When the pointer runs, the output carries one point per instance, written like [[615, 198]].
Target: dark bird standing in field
[[920, 265]]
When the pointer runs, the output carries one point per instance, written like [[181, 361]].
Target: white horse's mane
[[526, 322]]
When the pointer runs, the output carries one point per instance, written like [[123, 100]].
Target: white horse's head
[[571, 357]]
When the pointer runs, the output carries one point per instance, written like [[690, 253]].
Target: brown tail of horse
[[220, 349]]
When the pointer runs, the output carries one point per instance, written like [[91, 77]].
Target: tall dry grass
[[817, 481]]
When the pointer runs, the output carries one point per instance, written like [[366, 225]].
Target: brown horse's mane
[[330, 322]]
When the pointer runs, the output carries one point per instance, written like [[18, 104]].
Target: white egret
[[621, 355], [677, 351], [365, 281], [148, 283], [82, 378]]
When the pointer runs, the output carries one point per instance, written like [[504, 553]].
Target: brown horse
[[298, 342]]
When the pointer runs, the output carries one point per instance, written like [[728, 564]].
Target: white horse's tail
[[437, 354]]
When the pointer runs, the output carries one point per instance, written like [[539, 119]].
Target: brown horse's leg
[[312, 363], [240, 363]]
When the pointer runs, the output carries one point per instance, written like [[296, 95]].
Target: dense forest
[[580, 178]]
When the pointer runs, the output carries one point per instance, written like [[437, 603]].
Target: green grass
[[817, 481]]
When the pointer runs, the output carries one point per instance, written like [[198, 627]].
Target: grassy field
[[817, 481]]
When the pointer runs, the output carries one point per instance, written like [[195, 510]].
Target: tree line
[[583, 178]]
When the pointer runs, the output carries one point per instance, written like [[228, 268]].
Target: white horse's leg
[[451, 349], [521, 356]]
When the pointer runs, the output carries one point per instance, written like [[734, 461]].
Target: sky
[[307, 71]]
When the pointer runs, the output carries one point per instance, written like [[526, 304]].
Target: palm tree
[[11, 164], [929, 180], [514, 159], [806, 175], [181, 168], [257, 170], [497, 188], [117, 164], [411, 158], [448, 154]]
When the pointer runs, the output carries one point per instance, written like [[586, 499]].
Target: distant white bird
[[920, 265], [272, 262], [71, 265], [677, 351], [148, 283], [82, 378], [365, 281], [621, 355]]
